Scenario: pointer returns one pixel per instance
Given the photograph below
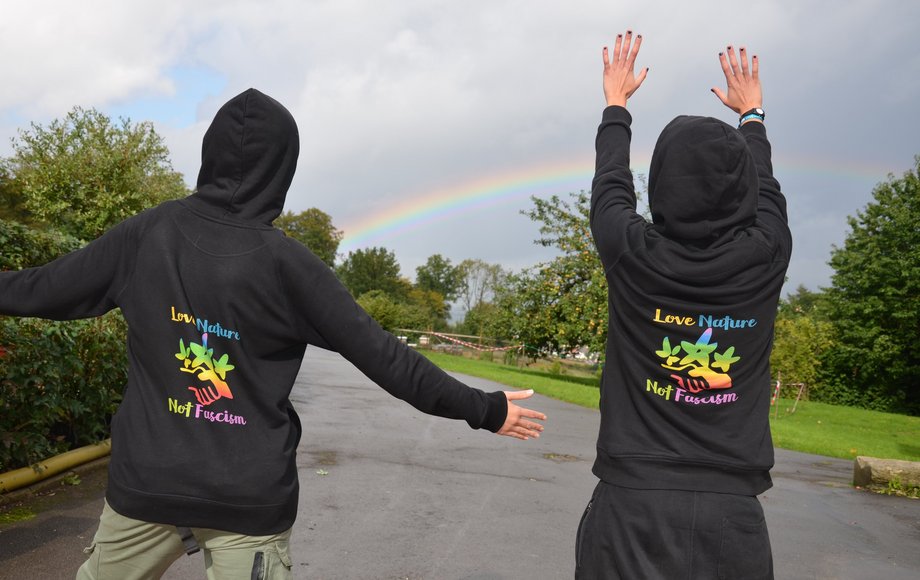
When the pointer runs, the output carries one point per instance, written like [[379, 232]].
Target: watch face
[[759, 112]]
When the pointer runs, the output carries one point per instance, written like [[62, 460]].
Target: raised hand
[[620, 79], [743, 83], [517, 424]]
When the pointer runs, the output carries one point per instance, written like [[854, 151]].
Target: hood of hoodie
[[248, 158], [702, 180]]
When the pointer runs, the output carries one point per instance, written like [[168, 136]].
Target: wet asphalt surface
[[389, 493]]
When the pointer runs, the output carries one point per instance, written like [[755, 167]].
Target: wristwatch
[[755, 113]]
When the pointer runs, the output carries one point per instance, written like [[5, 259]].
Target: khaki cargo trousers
[[128, 549]]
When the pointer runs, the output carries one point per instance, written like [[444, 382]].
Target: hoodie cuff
[[615, 113], [496, 412], [757, 128]]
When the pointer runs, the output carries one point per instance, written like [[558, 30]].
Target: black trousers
[[634, 534]]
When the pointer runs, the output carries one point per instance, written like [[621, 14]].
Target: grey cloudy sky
[[415, 103]]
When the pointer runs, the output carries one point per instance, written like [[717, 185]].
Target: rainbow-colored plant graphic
[[207, 369], [696, 371]]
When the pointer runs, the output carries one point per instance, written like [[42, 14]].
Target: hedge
[[60, 382], [23, 247]]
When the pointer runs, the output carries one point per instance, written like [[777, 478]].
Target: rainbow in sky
[[517, 185], [467, 197]]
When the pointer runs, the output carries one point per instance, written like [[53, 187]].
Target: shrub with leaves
[[23, 247], [60, 383]]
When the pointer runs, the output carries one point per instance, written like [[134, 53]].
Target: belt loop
[[188, 540]]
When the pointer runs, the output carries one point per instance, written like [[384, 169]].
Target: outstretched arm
[[327, 315], [81, 284]]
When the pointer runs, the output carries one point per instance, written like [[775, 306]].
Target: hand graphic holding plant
[[696, 372], [207, 369]]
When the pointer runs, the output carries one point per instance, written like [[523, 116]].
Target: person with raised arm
[[684, 443]]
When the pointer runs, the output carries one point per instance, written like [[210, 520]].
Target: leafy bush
[[60, 383], [23, 247]]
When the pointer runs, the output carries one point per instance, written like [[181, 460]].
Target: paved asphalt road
[[389, 493]]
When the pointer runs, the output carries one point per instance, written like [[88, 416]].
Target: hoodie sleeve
[[771, 204], [326, 315], [615, 223], [81, 284]]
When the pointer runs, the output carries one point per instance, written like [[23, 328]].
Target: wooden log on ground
[[871, 471]]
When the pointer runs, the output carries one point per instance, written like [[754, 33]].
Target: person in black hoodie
[[684, 442], [220, 308]]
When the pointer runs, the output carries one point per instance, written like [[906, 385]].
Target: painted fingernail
[[629, 32], [619, 36], [638, 36], [721, 54]]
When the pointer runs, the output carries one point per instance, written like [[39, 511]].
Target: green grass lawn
[[818, 428]]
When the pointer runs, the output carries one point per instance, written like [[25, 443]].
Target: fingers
[[518, 423], [624, 50], [736, 70], [616, 47], [525, 412], [723, 60], [755, 68], [631, 60], [516, 436], [525, 430], [627, 40], [721, 95], [641, 77], [518, 395], [744, 61]]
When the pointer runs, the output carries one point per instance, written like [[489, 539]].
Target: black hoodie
[[685, 392], [220, 309]]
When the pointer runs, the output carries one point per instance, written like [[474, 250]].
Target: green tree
[[314, 229], [803, 302], [486, 320], [439, 275], [392, 313], [802, 337], [12, 203], [23, 247], [479, 282], [373, 269], [383, 308], [874, 299], [431, 307], [561, 304], [83, 174]]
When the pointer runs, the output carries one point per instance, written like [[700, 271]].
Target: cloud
[[58, 54], [396, 100]]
